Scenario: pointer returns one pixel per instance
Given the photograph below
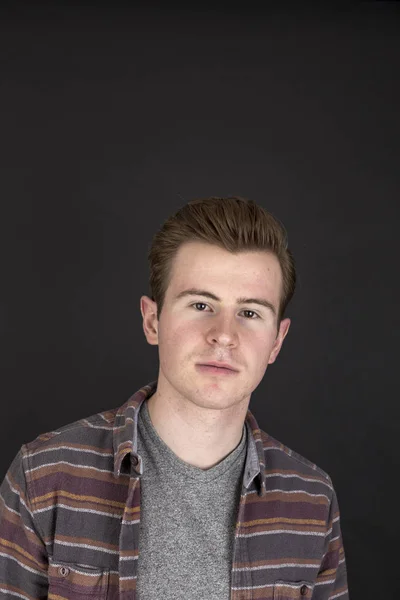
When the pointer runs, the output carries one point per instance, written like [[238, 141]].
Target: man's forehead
[[247, 273]]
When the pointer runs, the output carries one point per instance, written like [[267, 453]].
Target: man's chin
[[215, 395]]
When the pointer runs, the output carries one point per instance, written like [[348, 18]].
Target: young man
[[178, 494]]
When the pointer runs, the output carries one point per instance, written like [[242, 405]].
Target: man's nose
[[223, 331]]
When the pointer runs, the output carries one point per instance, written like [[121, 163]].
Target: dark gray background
[[112, 118]]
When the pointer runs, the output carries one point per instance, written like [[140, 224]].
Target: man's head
[[221, 277], [234, 224]]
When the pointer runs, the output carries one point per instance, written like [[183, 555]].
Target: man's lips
[[217, 367], [222, 365]]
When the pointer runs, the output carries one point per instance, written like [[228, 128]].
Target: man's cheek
[[183, 334], [173, 343]]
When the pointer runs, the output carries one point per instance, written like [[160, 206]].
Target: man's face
[[195, 328]]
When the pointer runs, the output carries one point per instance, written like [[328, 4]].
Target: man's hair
[[234, 224]]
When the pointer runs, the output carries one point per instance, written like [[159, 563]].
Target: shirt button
[[63, 571], [303, 590]]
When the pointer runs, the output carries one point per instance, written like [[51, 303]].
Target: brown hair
[[235, 224]]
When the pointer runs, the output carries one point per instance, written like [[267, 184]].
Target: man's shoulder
[[71, 468], [282, 460], [92, 434]]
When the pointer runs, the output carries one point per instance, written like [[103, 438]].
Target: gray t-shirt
[[188, 518]]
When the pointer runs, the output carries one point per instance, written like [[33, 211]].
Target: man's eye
[[197, 304], [253, 313]]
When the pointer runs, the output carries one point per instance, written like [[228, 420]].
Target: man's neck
[[201, 437]]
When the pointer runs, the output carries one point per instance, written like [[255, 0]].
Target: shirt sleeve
[[331, 582], [23, 556]]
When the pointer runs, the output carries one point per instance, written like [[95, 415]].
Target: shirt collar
[[125, 440]]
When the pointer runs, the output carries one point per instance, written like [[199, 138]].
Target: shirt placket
[[241, 587], [129, 540]]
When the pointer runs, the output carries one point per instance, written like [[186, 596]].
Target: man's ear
[[282, 333], [148, 309]]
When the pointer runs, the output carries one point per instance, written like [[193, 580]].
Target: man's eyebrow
[[197, 292]]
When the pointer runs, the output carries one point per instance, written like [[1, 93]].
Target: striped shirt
[[70, 509]]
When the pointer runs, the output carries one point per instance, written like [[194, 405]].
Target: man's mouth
[[217, 369]]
